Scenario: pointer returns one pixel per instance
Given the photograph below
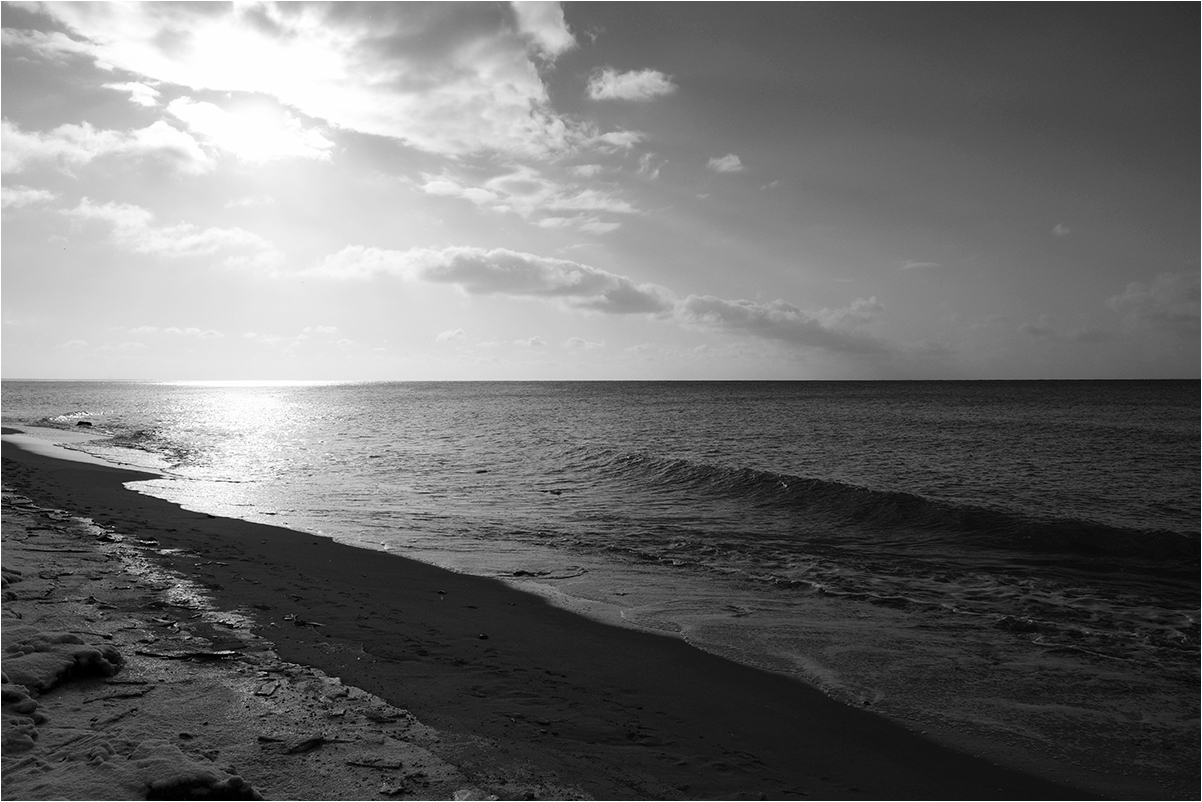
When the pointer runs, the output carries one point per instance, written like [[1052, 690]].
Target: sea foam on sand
[[110, 692]]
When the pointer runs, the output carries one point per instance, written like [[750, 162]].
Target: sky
[[405, 191]]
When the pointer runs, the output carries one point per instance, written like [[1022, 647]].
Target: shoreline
[[524, 688]]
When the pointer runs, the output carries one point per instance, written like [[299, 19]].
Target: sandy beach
[[159, 653]]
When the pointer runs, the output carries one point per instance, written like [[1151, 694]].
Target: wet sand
[[503, 694]]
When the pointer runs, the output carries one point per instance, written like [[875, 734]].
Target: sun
[[253, 128]]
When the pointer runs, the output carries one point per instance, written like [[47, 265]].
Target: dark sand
[[607, 712]]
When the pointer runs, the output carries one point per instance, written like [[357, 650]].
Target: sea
[[1010, 566]]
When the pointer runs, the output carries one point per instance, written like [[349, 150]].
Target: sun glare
[[254, 130]]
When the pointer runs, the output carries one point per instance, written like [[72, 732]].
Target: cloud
[[476, 271], [544, 23], [831, 329], [911, 265], [1041, 330], [451, 78], [132, 228], [192, 331], [623, 140], [1168, 302], [531, 195], [450, 334], [139, 93], [1061, 230], [257, 134], [580, 222], [533, 342], [587, 170], [71, 145], [609, 84], [730, 163], [51, 45], [646, 167], [500, 271], [18, 196], [580, 342]]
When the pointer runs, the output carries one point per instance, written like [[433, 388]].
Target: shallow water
[[1017, 560]]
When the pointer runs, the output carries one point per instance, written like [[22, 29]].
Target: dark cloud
[[833, 330]]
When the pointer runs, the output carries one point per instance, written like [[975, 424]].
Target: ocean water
[[1009, 564]]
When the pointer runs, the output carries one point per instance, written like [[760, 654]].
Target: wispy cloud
[[648, 168], [609, 84], [838, 330], [451, 334], [528, 193], [18, 196], [476, 271], [70, 146], [1168, 302], [500, 271], [913, 265], [1061, 230], [618, 140], [133, 228], [51, 45], [730, 163]]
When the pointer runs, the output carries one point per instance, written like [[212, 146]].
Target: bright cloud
[[730, 163], [609, 84], [132, 228], [258, 134], [621, 140], [71, 145], [139, 93], [544, 23], [18, 196], [451, 78]]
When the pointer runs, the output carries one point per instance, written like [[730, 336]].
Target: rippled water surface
[[946, 551]]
